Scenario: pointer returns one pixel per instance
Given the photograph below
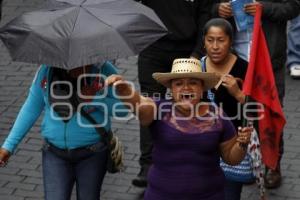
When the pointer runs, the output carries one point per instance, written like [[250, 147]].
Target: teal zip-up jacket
[[74, 133]]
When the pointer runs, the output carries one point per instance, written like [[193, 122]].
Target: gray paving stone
[[31, 147], [22, 165], [9, 170], [32, 199], [33, 141], [14, 178], [21, 159], [115, 188], [40, 188], [12, 197], [128, 156], [25, 152], [23, 186], [119, 196], [30, 173], [7, 191], [33, 180], [25, 193]]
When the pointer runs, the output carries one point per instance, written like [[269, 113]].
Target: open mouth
[[187, 96]]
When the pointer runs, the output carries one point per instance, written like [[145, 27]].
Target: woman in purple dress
[[189, 135]]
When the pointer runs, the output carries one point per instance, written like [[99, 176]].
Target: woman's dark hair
[[221, 23]]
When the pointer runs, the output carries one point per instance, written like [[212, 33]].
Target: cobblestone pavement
[[21, 179]]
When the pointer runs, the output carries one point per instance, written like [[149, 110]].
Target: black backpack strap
[[100, 130]]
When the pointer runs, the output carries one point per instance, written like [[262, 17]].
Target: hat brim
[[209, 79]]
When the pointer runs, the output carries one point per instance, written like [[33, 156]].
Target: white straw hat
[[187, 68]]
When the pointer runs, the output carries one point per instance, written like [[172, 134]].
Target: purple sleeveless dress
[[186, 157]]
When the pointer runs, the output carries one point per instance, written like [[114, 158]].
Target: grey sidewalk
[[21, 179]]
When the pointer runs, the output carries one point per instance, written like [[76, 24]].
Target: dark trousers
[[233, 190], [279, 75], [153, 60]]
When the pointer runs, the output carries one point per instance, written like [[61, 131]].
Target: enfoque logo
[[120, 111]]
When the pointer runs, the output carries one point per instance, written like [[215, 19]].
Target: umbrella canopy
[[73, 33]]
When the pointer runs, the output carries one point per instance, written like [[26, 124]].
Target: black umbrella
[[73, 33]]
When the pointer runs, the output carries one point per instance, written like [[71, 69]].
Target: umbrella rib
[[78, 10], [73, 28], [97, 17], [43, 26], [111, 27], [107, 25]]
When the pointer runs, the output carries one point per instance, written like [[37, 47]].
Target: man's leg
[[273, 177], [293, 51], [233, 190]]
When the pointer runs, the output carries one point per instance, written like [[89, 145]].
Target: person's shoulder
[[242, 61]]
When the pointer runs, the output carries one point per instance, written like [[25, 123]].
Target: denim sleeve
[[29, 113]]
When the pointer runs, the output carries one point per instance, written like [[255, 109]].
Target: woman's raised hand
[[250, 8], [114, 80], [232, 85], [225, 10], [123, 87]]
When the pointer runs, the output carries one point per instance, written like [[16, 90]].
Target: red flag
[[260, 85]]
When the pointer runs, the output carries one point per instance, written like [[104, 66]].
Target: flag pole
[[245, 121]]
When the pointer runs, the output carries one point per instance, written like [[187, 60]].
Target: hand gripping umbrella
[[73, 33]]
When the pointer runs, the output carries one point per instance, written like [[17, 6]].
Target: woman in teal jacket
[[73, 150]]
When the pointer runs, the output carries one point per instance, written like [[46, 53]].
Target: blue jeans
[[233, 190], [293, 43], [62, 168]]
